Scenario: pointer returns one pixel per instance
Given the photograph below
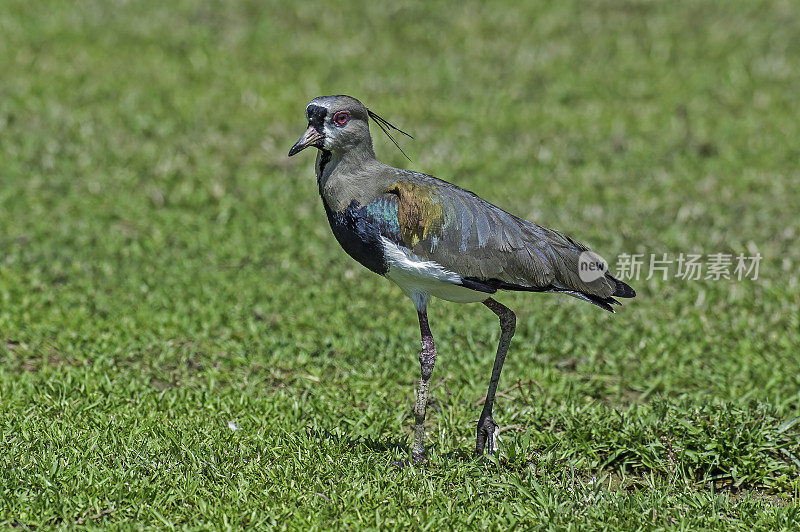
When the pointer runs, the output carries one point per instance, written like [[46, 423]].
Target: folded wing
[[488, 247]]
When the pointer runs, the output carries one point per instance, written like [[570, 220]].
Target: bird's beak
[[311, 137]]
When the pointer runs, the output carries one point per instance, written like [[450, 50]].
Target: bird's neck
[[346, 161], [347, 176]]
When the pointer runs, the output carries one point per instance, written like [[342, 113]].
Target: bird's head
[[336, 124], [339, 124]]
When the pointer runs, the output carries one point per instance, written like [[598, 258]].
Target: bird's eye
[[341, 118]]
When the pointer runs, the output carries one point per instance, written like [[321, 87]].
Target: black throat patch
[[322, 161]]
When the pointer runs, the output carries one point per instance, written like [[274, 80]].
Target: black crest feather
[[385, 127]]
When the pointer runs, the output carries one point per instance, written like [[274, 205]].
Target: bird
[[437, 240]]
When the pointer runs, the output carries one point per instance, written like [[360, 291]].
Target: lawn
[[183, 343]]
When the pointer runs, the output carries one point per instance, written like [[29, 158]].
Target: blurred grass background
[[166, 270]]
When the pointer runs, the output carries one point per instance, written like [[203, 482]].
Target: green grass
[[165, 269]]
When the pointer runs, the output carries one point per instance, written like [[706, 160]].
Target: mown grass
[[182, 342]]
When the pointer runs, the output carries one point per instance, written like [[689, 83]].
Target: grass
[[183, 343]]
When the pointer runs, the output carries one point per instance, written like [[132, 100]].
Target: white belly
[[420, 279]]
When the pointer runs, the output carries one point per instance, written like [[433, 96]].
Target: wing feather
[[466, 234]]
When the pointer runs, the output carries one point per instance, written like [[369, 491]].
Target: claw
[[494, 439], [488, 432], [400, 464], [419, 458]]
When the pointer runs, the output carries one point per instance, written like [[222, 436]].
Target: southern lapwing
[[433, 238]]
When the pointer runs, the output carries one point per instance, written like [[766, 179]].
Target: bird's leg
[[487, 428], [427, 358]]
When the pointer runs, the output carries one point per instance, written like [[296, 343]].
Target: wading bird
[[433, 238]]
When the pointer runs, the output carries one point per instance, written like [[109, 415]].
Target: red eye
[[341, 118]]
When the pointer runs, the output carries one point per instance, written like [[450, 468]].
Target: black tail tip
[[621, 289]]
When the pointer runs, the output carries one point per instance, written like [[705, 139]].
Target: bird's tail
[[620, 290]]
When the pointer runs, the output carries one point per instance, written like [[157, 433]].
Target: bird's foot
[[400, 464], [416, 460], [419, 457], [487, 436]]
